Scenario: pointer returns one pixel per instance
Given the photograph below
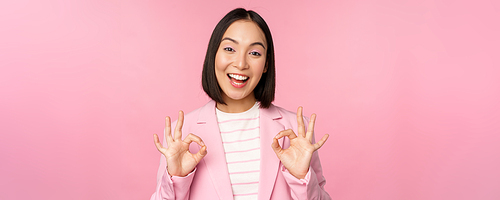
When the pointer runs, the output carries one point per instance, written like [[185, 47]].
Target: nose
[[240, 61]]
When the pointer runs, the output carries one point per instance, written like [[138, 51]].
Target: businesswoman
[[245, 147]]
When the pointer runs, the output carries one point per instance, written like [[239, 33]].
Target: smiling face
[[240, 61]]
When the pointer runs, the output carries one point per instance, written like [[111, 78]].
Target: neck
[[237, 106]]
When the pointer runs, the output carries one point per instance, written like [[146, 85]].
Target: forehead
[[245, 31]]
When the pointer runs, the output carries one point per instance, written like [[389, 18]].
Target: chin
[[237, 96], [234, 97]]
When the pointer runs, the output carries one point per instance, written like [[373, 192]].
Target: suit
[[210, 179]]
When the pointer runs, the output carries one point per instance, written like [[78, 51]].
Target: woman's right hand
[[180, 161]]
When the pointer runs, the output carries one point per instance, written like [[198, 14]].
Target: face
[[240, 60]]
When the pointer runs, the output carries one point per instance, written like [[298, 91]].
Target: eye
[[228, 49], [255, 53]]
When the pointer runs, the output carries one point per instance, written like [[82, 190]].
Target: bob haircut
[[264, 91]]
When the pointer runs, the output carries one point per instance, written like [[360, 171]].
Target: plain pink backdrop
[[409, 92]]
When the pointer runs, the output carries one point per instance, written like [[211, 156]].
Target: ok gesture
[[297, 157], [180, 161]]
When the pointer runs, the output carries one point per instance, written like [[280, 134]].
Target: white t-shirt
[[240, 133]]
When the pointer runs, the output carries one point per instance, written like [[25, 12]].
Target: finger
[[178, 127], [203, 150], [193, 138], [310, 128], [276, 147], [168, 130], [289, 133], [300, 123], [201, 153], [157, 143], [320, 143]]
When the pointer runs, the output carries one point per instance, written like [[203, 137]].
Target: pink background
[[408, 90]]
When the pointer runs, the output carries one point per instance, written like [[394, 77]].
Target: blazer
[[210, 179]]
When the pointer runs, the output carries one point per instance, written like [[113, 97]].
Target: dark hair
[[264, 91]]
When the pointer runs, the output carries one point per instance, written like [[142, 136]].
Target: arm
[[301, 167], [171, 187], [174, 181], [311, 186]]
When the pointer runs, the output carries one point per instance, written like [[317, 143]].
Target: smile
[[238, 80]]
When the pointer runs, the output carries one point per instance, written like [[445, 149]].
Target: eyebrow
[[232, 40]]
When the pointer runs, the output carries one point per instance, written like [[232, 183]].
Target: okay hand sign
[[180, 161], [297, 157]]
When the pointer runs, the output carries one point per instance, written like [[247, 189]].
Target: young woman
[[246, 148]]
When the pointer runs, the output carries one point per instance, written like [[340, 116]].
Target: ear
[[265, 68]]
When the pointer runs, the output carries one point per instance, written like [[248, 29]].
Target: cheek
[[259, 66], [221, 62], [217, 61], [220, 67]]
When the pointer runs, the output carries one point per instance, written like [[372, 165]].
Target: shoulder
[[288, 117], [192, 116], [287, 113], [198, 115]]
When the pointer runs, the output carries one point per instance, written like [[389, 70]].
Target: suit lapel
[[215, 160], [269, 162]]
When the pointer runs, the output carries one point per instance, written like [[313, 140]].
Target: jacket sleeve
[[171, 187], [311, 186]]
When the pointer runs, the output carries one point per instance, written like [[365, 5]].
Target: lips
[[238, 80]]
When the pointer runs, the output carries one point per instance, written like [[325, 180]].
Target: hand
[[297, 157], [180, 161]]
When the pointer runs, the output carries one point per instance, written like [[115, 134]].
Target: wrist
[[296, 174]]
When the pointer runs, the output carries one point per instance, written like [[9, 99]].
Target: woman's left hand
[[297, 157]]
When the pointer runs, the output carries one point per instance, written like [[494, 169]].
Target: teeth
[[238, 77]]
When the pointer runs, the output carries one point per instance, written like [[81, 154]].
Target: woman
[[240, 127]]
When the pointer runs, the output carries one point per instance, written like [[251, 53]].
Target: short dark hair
[[264, 91]]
